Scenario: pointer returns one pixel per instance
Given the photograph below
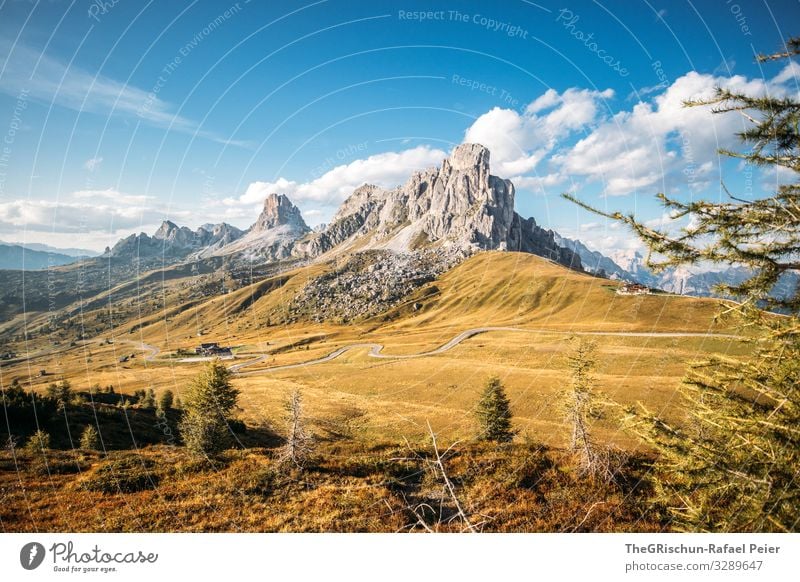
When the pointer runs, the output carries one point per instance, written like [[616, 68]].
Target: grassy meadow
[[369, 416]]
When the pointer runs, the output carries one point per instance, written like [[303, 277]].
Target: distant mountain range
[[630, 266], [29, 257], [454, 210], [70, 252], [458, 205]]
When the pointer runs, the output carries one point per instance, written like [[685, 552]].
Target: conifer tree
[[166, 400], [299, 442], [149, 399], [733, 465], [90, 438], [38, 442], [208, 405], [494, 413], [61, 393], [580, 405]]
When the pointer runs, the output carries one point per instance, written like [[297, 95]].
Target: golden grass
[[392, 399], [349, 489]]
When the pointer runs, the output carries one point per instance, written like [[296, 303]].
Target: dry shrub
[[127, 474]]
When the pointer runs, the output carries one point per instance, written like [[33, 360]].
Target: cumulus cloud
[[791, 72], [538, 184], [656, 144], [662, 144], [386, 169], [520, 141], [74, 216]]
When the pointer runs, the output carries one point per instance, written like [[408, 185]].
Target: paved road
[[236, 367], [152, 351], [376, 349]]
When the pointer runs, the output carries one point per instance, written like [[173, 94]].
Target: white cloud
[[590, 226], [386, 170], [74, 217], [658, 144], [538, 183], [92, 164], [791, 72], [545, 101], [520, 141], [90, 218], [661, 144], [51, 81]]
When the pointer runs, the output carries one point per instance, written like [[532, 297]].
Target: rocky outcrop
[[279, 211], [459, 204], [359, 214], [527, 237], [272, 237], [173, 241], [370, 282]]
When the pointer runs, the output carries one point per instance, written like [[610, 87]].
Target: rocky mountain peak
[[468, 157], [457, 205], [166, 229], [279, 211]]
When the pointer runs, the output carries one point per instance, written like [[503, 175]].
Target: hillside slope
[[488, 289], [505, 288]]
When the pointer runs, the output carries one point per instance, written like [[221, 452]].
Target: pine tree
[[90, 438], [299, 443], [149, 399], [733, 465], [580, 405], [38, 442], [166, 400], [494, 413], [208, 405], [61, 392]]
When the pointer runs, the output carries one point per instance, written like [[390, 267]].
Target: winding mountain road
[[151, 351], [376, 349]]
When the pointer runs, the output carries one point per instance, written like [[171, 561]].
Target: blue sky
[[116, 115]]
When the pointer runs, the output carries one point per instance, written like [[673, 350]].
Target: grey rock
[[271, 238], [458, 204]]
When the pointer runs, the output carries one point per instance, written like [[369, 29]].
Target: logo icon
[[31, 555]]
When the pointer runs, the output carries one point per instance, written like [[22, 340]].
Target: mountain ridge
[[19, 257], [458, 206]]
